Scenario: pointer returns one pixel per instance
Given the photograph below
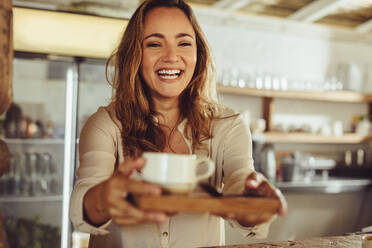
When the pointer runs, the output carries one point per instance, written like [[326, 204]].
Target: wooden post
[[6, 65], [6, 54], [267, 111]]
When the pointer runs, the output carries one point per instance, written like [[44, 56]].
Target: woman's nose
[[170, 54]]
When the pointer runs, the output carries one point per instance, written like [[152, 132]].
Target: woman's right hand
[[109, 198]]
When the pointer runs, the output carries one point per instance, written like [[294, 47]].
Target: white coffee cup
[[176, 173]]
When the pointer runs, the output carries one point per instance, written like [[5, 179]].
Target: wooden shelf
[[328, 96], [276, 137], [308, 138]]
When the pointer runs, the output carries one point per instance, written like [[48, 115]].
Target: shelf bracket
[[267, 111]]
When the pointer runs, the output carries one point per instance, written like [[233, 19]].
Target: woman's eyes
[[153, 45], [181, 44], [185, 44]]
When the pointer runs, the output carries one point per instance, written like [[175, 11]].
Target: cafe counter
[[349, 241]]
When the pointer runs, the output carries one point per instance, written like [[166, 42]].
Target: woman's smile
[[167, 75]]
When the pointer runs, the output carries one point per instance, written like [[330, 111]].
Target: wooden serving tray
[[199, 204]]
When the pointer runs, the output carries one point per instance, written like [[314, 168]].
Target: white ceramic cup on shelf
[[337, 128], [258, 126], [176, 173]]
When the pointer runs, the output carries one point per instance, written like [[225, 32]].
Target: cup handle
[[210, 170]]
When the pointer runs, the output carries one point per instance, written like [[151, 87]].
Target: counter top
[[331, 185], [324, 242]]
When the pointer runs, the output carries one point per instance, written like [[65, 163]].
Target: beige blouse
[[100, 147]]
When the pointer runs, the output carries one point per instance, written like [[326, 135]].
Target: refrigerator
[[52, 98]]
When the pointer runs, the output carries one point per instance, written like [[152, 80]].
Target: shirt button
[[165, 234]]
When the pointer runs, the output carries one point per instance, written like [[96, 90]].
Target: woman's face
[[169, 52]]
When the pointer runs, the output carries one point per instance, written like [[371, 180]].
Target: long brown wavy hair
[[131, 96]]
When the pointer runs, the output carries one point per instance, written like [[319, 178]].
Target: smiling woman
[[156, 41], [164, 101]]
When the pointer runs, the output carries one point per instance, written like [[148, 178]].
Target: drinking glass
[[283, 83]]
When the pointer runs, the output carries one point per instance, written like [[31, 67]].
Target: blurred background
[[299, 71]]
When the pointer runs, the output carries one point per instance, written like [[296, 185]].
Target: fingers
[[155, 217], [120, 209], [256, 184], [226, 216], [171, 213], [126, 221], [246, 220], [252, 220], [254, 180], [141, 188], [283, 203], [124, 213], [267, 189], [127, 167], [149, 217]]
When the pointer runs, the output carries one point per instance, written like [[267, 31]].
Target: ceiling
[[348, 14]]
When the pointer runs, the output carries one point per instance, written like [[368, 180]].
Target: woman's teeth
[[169, 74]]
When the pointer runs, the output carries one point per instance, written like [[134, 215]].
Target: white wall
[[294, 51], [301, 51]]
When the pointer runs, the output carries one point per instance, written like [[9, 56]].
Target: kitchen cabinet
[[268, 99]]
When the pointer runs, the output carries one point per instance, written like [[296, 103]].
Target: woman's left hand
[[257, 184]]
